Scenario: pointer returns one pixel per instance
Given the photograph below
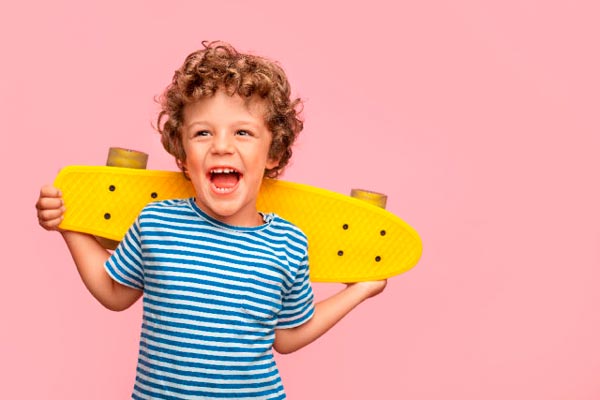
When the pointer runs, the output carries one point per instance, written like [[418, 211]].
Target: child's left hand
[[369, 288]]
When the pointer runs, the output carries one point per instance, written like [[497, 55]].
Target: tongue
[[225, 180]]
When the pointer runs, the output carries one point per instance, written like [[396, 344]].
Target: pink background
[[480, 120]]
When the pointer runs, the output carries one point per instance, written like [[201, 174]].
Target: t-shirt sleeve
[[125, 264], [298, 302]]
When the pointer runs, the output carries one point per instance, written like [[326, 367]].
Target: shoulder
[[287, 229], [167, 208]]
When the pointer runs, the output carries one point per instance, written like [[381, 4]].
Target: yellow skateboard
[[350, 240]]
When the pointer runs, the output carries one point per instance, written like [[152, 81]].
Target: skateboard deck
[[350, 240]]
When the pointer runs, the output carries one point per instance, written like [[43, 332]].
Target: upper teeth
[[222, 171]]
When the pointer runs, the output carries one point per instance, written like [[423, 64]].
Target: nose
[[222, 143]]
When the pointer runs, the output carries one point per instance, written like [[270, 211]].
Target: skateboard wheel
[[119, 157], [377, 199]]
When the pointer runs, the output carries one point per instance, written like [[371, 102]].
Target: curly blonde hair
[[218, 66]]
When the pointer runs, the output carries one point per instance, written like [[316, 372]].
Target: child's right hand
[[50, 208]]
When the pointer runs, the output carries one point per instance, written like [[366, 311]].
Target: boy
[[222, 283]]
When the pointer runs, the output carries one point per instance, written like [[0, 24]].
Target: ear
[[183, 167], [272, 163]]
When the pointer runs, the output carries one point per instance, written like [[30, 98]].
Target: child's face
[[227, 144]]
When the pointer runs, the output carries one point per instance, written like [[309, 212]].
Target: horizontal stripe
[[174, 351], [215, 330], [213, 365], [160, 391], [206, 346], [210, 269], [190, 378], [242, 325]]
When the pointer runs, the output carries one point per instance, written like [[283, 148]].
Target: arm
[[88, 254], [327, 313]]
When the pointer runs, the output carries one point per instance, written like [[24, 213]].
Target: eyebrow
[[235, 123]]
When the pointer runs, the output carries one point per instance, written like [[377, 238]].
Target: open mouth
[[224, 180]]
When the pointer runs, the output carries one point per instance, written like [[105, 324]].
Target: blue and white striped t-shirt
[[213, 296]]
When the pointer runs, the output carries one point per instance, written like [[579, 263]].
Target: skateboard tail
[[349, 240]]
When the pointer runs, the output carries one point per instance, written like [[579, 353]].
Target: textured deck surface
[[349, 239]]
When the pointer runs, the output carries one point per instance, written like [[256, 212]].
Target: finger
[[50, 191], [49, 203], [51, 225], [49, 215]]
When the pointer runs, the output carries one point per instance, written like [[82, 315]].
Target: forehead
[[222, 107]]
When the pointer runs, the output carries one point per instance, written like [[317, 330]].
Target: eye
[[202, 133], [243, 132]]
